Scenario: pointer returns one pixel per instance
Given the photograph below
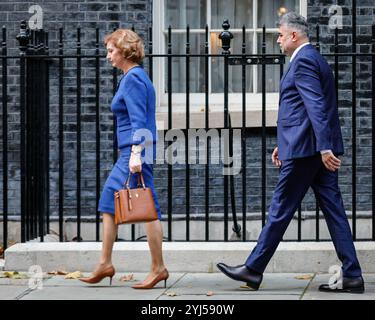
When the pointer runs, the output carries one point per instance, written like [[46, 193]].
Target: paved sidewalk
[[182, 286]]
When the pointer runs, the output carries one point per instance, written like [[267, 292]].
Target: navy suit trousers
[[296, 176]]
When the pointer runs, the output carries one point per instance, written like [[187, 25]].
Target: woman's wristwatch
[[137, 149]]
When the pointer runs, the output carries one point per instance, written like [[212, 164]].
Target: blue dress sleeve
[[135, 97]]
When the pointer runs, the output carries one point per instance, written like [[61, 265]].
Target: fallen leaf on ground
[[129, 277], [171, 294], [58, 272], [304, 277], [74, 275], [209, 293], [244, 286], [15, 275]]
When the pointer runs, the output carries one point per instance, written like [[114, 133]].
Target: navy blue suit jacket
[[308, 120]]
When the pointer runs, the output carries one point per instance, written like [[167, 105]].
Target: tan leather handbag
[[134, 205]]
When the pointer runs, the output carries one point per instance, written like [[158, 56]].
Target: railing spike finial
[[23, 37], [226, 36]]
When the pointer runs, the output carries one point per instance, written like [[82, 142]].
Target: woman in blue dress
[[134, 108]]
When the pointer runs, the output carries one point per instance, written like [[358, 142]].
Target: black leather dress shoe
[[349, 285], [242, 273]]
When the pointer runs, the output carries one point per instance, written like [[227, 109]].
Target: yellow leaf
[[209, 293], [74, 275], [244, 286], [58, 272], [129, 277], [15, 275], [9, 273], [304, 277]]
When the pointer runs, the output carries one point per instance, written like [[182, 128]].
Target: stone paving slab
[[273, 284], [90, 293], [14, 282], [11, 292], [184, 286], [312, 292], [59, 288], [232, 297], [137, 277]]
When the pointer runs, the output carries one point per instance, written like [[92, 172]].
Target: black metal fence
[[34, 60]]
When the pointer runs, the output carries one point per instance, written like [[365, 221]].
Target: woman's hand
[[135, 163]]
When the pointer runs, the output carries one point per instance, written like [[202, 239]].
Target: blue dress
[[134, 108]]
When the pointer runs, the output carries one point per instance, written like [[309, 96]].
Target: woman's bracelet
[[137, 149]]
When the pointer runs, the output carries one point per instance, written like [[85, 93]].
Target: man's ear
[[294, 36]]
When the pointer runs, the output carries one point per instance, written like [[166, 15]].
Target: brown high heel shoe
[[161, 276], [95, 278]]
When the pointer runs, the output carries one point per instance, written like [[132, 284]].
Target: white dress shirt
[[297, 50]]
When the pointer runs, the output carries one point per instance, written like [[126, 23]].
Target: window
[[197, 13]]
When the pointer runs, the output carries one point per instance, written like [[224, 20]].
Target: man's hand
[[275, 158], [135, 163], [330, 161]]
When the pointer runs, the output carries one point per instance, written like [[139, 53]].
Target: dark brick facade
[[112, 14]]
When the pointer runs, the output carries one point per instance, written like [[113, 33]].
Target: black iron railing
[[34, 60]]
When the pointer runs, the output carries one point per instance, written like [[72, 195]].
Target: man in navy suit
[[309, 142]]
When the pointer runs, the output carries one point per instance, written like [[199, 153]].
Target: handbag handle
[[141, 181]]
